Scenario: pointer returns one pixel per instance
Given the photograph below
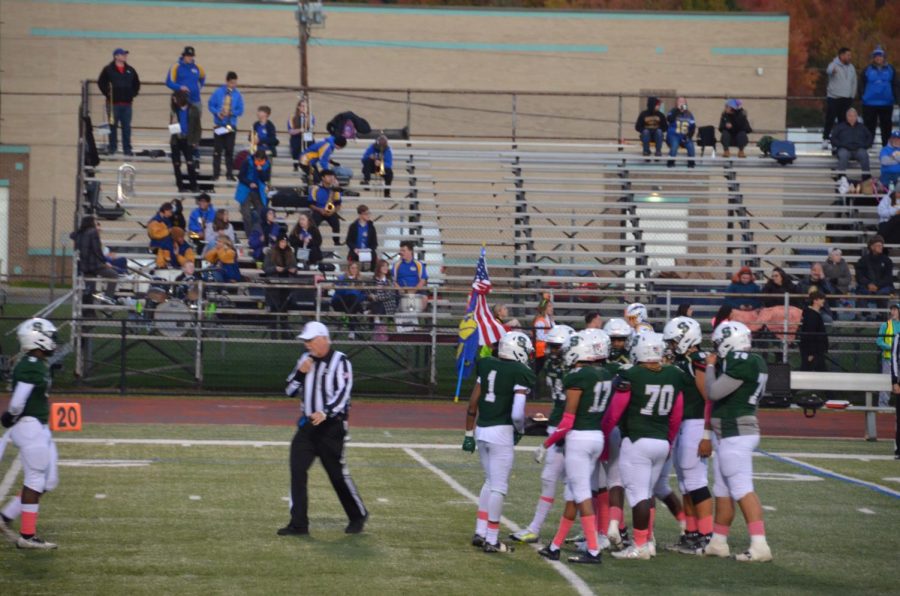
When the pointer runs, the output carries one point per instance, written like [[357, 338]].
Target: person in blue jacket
[[251, 192], [890, 160], [317, 156], [226, 104], [742, 283], [878, 90], [379, 153], [187, 75], [203, 214], [681, 131]]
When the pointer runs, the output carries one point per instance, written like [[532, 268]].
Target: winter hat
[[734, 104], [878, 51]]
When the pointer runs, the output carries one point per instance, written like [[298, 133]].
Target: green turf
[[146, 536]]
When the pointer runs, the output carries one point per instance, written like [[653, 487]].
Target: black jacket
[[353, 231], [651, 118], [812, 332], [336, 125], [844, 136], [90, 251], [874, 269], [738, 120], [125, 86], [314, 246]]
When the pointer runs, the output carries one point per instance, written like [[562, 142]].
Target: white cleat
[[633, 552], [603, 542], [615, 539], [651, 546], [717, 549], [34, 543], [755, 554]]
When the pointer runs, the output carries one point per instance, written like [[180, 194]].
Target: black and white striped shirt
[[326, 387]]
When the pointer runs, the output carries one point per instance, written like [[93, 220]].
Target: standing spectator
[[409, 273], [306, 241], [742, 283], [262, 133], [779, 283], [874, 272], [361, 236], [203, 214], [317, 156], [383, 299], [325, 204], [300, 128], [119, 83], [186, 141], [378, 160], [890, 160], [889, 218], [226, 104], [852, 140], [887, 333], [185, 75], [837, 271], [158, 227], [91, 260], [816, 281], [841, 91], [651, 124], [220, 224], [879, 94], [734, 128], [251, 193], [540, 325], [813, 335], [895, 391], [681, 131], [593, 320]]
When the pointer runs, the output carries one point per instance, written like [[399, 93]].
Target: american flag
[[489, 329]]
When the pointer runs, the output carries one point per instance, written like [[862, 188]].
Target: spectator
[[378, 159], [813, 335], [264, 235], [91, 260], [226, 104], [885, 340], [685, 310], [890, 160], [251, 193], [734, 128], [280, 262], [874, 272], [742, 283], [187, 281], [325, 204], [119, 84], [187, 116], [408, 272], [223, 257], [540, 325], [837, 271], [362, 239], [185, 75], [349, 297], [202, 215], [816, 281], [220, 225], [382, 300], [306, 241], [889, 218], [501, 313], [780, 283], [650, 125], [300, 128], [317, 156], [722, 315], [841, 91], [262, 133], [175, 252], [851, 140], [178, 214], [681, 131], [593, 320], [878, 92], [158, 227]]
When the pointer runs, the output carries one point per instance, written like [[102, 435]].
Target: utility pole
[[309, 15]]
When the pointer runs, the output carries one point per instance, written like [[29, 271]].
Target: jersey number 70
[[662, 397]]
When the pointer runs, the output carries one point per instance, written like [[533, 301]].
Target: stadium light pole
[[303, 30]]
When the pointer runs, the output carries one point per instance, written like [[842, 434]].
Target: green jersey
[[499, 380], [555, 371], [735, 414], [653, 396], [34, 371], [694, 403], [596, 385]]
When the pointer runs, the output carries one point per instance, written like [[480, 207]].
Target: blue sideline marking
[[833, 475]]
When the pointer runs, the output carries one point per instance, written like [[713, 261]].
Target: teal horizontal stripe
[[155, 36], [4, 183], [750, 51], [46, 252], [15, 149]]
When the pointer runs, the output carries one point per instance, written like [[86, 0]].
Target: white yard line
[[850, 456], [14, 468], [578, 584], [866, 510]]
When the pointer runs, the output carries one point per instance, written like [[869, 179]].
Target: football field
[[177, 509]]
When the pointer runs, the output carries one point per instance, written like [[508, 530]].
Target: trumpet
[[380, 162], [330, 206]]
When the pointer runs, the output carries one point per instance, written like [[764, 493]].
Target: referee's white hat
[[312, 330]]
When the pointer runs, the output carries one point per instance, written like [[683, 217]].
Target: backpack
[[240, 158], [784, 152]]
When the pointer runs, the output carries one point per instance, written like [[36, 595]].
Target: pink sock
[[589, 526], [705, 525], [564, 526], [757, 528], [721, 529], [29, 519], [616, 514], [640, 537], [602, 512], [690, 523], [481, 523]]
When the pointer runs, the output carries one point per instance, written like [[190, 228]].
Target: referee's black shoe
[[356, 525], [290, 530]]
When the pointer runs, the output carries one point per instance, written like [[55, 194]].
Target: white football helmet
[[37, 334], [558, 334], [648, 347], [635, 314], [618, 328], [588, 345], [684, 333], [731, 336], [515, 345]]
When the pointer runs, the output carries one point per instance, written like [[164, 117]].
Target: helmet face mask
[[517, 346], [682, 334], [37, 334]]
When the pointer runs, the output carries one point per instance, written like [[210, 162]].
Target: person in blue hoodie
[[742, 283], [878, 90], [890, 160], [203, 214], [681, 131], [251, 192], [377, 155], [226, 105], [187, 75]]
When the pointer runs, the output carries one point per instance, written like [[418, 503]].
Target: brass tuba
[[125, 183], [381, 164], [254, 140]]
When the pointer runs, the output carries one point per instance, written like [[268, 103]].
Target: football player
[[27, 416], [636, 316], [648, 400], [735, 380], [498, 403], [588, 391], [553, 472]]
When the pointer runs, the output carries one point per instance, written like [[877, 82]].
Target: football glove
[[469, 444], [539, 453], [7, 419]]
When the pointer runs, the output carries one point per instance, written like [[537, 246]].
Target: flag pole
[[459, 377]]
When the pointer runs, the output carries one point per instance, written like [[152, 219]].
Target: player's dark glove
[[469, 443], [7, 419], [517, 436]]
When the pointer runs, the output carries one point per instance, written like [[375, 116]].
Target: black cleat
[[290, 530], [586, 558], [477, 540], [549, 553], [497, 547]]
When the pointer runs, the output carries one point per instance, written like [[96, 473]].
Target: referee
[[325, 377]]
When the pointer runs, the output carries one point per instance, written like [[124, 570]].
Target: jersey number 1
[[490, 397]]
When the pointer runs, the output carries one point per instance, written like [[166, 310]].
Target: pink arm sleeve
[[564, 427], [675, 418], [614, 412]]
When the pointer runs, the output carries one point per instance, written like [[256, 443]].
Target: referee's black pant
[[326, 442]]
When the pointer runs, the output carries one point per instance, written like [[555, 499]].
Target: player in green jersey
[[498, 403], [26, 417], [735, 380]]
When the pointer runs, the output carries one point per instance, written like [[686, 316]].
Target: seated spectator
[[223, 257], [220, 224], [816, 281], [742, 283], [681, 129], [186, 141], [362, 237], [409, 274], [734, 128], [91, 260], [159, 225], [178, 214], [306, 241], [348, 296], [202, 215], [593, 320], [889, 218], [264, 235], [874, 272], [325, 204], [176, 251], [186, 282], [300, 128], [651, 124], [262, 133], [722, 315], [251, 193], [501, 313], [685, 310], [837, 271], [780, 283], [378, 160], [890, 160], [280, 262], [851, 141], [382, 300], [317, 156]]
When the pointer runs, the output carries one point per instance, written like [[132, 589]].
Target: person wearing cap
[[361, 236], [742, 283], [851, 140], [840, 92], [187, 75], [878, 90], [226, 104], [202, 214], [681, 131], [734, 128], [325, 204], [377, 155], [185, 142], [251, 192], [119, 83], [885, 341], [874, 273], [318, 155], [890, 160], [159, 226], [323, 377]]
